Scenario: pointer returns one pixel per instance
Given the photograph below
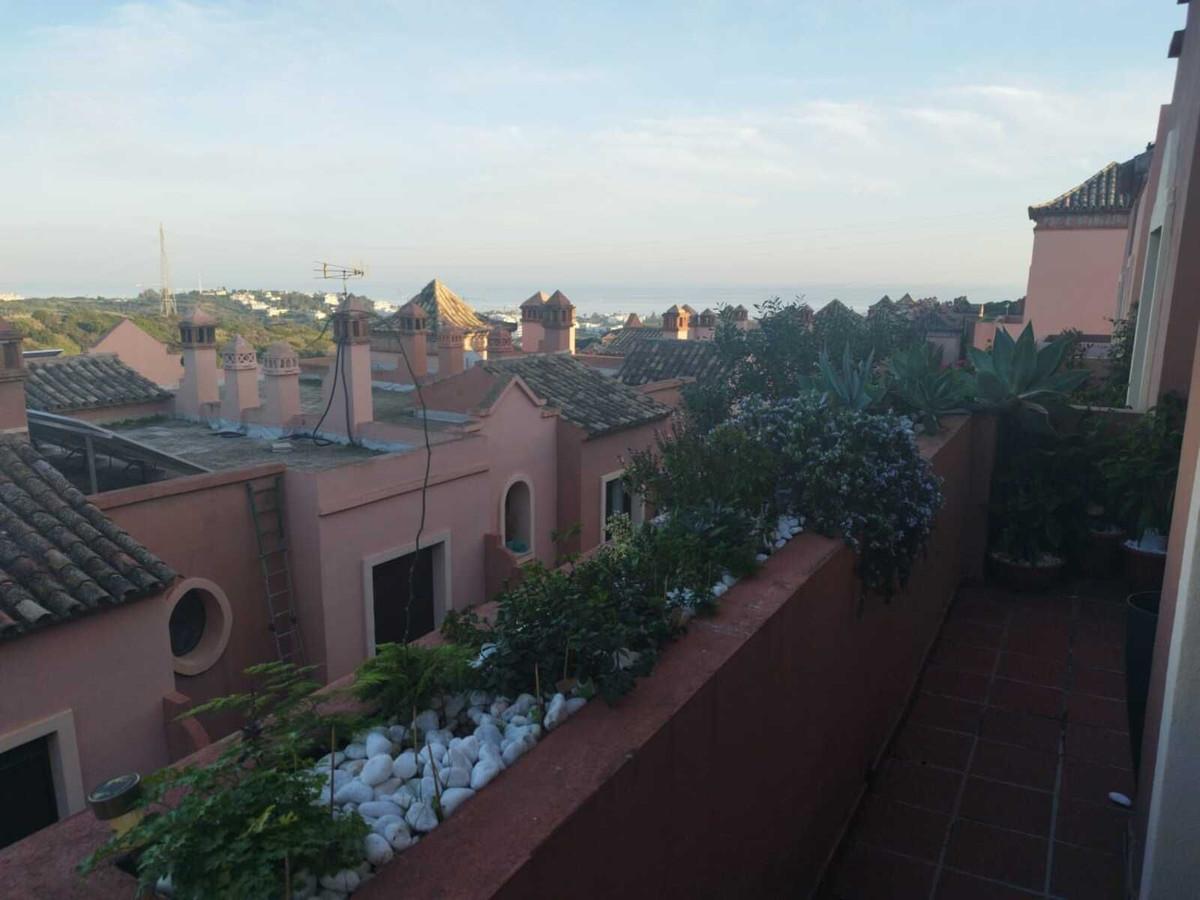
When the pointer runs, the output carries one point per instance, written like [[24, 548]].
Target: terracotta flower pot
[[1023, 576], [1143, 568], [1101, 555]]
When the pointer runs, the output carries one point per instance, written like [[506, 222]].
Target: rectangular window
[[27, 786], [397, 614]]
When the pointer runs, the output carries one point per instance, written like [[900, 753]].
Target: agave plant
[[1018, 377], [922, 387], [851, 385]]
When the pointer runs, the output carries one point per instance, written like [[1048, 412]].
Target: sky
[[627, 153]]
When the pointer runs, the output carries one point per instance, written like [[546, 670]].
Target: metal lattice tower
[[167, 305]]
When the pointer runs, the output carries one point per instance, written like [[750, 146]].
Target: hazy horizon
[[624, 153]]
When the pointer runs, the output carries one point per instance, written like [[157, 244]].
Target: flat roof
[[197, 443]]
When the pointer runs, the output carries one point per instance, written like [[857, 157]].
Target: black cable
[[412, 569]]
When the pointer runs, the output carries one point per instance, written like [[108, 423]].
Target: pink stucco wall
[[598, 457], [360, 511], [521, 444], [111, 669], [201, 527], [142, 353], [1074, 275]]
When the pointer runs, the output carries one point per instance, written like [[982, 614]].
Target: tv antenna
[[167, 300], [345, 273]]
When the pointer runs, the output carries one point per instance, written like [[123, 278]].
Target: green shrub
[[401, 678], [245, 825]]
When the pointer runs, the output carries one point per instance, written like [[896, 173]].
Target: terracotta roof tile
[[68, 383], [621, 341], [446, 307], [60, 557], [585, 396], [1113, 189], [659, 360]]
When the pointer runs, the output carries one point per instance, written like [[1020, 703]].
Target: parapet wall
[[732, 770]]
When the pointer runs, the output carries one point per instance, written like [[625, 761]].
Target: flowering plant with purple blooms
[[851, 474]]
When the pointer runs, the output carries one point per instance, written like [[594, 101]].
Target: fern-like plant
[[404, 677]]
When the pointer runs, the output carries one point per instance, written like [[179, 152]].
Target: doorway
[[399, 616], [27, 786]]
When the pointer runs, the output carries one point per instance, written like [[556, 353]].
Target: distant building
[[1079, 241], [142, 353]]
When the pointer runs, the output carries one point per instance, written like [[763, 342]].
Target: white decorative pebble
[[344, 881], [426, 721], [397, 834], [377, 849], [353, 767], [356, 751], [457, 777], [377, 770], [405, 765], [353, 792], [513, 752], [488, 734], [397, 733], [377, 744], [377, 809], [421, 817], [575, 704], [483, 772], [453, 798], [554, 712]]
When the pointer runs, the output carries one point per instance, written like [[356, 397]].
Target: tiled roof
[[623, 340], [836, 309], [659, 360], [1113, 189], [68, 383], [585, 397], [446, 307], [60, 557]]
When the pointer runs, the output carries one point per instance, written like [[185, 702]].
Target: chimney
[[281, 366], [349, 375], [450, 351], [706, 325], [558, 322], [198, 387], [532, 330], [241, 378], [414, 336], [12, 382], [675, 324], [499, 341]]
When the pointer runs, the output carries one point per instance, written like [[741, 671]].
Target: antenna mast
[[345, 273], [167, 301]]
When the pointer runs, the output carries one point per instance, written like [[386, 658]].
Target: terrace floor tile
[[996, 784]]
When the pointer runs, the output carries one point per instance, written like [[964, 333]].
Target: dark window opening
[[188, 620], [27, 786], [399, 617]]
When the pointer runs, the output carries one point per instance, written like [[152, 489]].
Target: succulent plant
[[1018, 377]]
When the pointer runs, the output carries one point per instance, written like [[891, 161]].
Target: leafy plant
[[1016, 377], [1039, 496], [920, 386], [466, 628], [401, 678], [851, 385], [244, 826], [1140, 467], [591, 622], [852, 474]]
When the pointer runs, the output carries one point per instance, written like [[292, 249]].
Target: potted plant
[[1035, 498], [1140, 472]]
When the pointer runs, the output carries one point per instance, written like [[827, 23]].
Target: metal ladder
[[266, 511]]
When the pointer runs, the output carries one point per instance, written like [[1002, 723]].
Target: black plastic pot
[[1141, 624]]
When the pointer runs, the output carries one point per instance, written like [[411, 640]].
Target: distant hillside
[[74, 324]]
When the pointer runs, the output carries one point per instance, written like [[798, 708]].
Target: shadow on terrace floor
[[996, 785]]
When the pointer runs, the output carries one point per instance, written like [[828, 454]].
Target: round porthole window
[[188, 619], [199, 625]]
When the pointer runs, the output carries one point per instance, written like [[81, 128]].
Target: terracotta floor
[[996, 785]]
